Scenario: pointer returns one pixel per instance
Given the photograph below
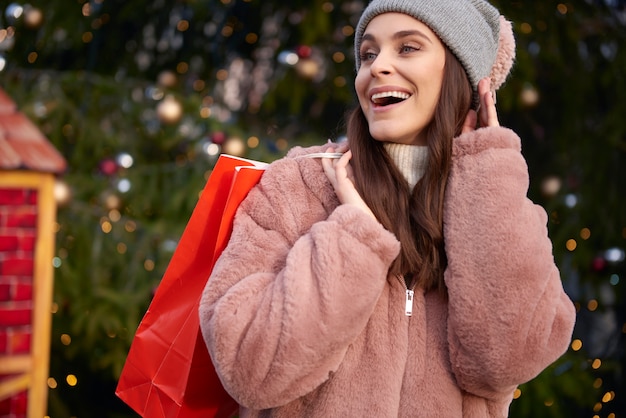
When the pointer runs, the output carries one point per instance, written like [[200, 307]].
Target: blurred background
[[141, 96]]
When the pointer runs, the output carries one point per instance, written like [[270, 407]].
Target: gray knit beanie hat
[[477, 35]]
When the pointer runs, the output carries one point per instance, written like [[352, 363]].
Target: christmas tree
[[140, 97]]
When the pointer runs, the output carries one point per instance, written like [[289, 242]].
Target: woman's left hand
[[487, 114], [339, 172]]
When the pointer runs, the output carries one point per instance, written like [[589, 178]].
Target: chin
[[392, 132], [383, 135], [391, 137]]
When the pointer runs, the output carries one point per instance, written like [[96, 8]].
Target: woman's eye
[[408, 48], [368, 56]]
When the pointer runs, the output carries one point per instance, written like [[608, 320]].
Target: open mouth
[[389, 97]]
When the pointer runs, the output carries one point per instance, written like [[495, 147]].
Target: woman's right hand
[[340, 175], [487, 114]]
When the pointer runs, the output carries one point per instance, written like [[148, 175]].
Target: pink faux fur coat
[[302, 320]]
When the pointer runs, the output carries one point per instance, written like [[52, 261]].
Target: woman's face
[[400, 78]]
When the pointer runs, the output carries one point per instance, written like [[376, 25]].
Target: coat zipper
[[408, 300]]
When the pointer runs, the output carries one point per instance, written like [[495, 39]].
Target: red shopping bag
[[168, 372]]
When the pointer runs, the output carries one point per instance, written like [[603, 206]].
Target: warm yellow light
[[199, 85], [517, 393], [596, 364], [339, 57], [66, 339], [183, 25], [592, 305], [282, 144], [52, 383], [86, 10], [577, 345], [205, 112], [340, 81], [130, 226], [71, 380], [182, 68], [227, 31], [328, 7], [253, 142], [148, 265], [608, 397], [347, 30], [115, 215], [106, 227], [585, 233], [221, 75], [571, 244]]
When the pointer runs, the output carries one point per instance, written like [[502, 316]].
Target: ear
[[506, 55]]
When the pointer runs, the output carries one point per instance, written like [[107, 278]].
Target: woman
[[411, 277]]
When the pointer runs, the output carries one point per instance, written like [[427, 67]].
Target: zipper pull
[[408, 310]]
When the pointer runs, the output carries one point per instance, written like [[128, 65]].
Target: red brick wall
[[15, 406], [18, 231]]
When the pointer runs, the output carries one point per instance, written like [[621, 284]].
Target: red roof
[[22, 145]]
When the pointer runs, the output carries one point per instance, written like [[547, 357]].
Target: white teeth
[[388, 94]]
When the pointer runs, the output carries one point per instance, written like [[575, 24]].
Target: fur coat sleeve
[[286, 299], [509, 317]]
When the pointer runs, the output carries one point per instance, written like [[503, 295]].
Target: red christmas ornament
[[303, 51], [218, 138], [108, 167], [598, 264]]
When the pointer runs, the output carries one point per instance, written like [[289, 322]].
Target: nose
[[382, 65]]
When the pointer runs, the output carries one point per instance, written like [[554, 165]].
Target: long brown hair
[[415, 217]]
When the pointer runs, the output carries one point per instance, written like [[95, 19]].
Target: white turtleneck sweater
[[409, 159]]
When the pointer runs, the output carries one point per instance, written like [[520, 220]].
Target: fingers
[[470, 121], [342, 147], [488, 115], [343, 163], [340, 175], [338, 169], [329, 170]]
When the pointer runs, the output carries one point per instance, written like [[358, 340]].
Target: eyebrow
[[399, 35]]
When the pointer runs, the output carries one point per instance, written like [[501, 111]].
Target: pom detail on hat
[[505, 56]]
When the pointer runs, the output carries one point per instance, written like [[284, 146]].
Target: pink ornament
[[598, 264], [218, 137], [108, 167]]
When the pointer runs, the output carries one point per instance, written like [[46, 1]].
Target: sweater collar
[[411, 160]]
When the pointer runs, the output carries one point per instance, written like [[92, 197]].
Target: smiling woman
[[411, 276]]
